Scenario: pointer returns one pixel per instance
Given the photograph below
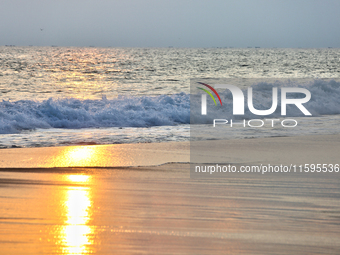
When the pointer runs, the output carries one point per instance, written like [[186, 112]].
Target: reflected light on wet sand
[[76, 235], [79, 178], [87, 156], [79, 156]]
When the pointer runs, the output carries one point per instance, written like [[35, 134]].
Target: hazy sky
[[178, 23]]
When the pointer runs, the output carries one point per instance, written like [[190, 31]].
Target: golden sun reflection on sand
[[79, 178], [90, 156], [76, 234], [79, 156]]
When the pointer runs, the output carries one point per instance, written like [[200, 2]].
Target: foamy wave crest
[[164, 110], [325, 100]]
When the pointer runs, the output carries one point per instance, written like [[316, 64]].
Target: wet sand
[[160, 210]]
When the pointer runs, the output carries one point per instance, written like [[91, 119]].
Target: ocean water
[[55, 96]]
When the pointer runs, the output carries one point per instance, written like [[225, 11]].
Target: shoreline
[[274, 150], [161, 210], [116, 155]]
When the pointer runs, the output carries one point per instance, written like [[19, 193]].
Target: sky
[[177, 23]]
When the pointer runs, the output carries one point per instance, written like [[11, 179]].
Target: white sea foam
[[148, 111]]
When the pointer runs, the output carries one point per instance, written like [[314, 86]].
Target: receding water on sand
[[160, 210], [49, 208]]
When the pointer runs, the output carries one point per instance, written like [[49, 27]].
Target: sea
[[61, 96]]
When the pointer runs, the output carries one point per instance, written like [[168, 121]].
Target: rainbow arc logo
[[238, 99], [209, 93]]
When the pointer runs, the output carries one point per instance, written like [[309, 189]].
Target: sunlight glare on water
[[76, 233], [80, 156], [87, 156]]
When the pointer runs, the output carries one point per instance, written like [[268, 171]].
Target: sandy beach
[[169, 127], [106, 207]]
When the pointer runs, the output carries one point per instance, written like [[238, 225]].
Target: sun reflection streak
[[76, 234], [92, 155], [77, 156], [79, 178], [81, 154]]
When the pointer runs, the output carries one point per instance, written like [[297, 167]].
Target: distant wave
[[147, 111]]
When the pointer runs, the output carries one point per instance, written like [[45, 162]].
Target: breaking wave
[[148, 111]]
